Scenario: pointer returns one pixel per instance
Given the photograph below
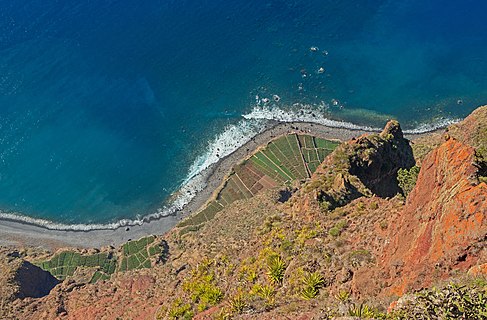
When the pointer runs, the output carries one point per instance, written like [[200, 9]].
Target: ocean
[[107, 108]]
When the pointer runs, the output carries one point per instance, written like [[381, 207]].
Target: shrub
[[237, 304], [276, 268], [334, 232], [287, 246], [360, 206], [207, 293], [270, 223], [374, 205], [325, 206], [201, 286], [337, 229], [180, 310], [224, 314], [263, 291], [307, 233], [362, 311], [312, 283], [343, 296], [451, 302], [266, 293], [252, 276], [407, 179]]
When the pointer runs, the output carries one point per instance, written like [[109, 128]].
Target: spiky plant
[[362, 311], [276, 267], [343, 296], [237, 303], [312, 283]]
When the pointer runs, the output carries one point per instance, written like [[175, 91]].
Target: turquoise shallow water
[[106, 108]]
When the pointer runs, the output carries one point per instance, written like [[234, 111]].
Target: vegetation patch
[[312, 283], [135, 254], [64, 264], [338, 228], [180, 310], [407, 179], [454, 301], [363, 311], [202, 288], [237, 303], [276, 267], [282, 161]]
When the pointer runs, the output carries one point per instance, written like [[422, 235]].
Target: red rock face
[[444, 224]]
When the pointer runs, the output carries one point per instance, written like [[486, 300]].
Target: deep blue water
[[106, 105]]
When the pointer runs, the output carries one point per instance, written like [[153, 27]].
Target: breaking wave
[[228, 141], [306, 113]]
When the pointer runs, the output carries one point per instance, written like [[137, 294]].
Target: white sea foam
[[86, 227], [233, 137], [301, 113], [311, 114], [435, 125], [224, 144]]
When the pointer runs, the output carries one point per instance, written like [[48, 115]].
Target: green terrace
[[133, 255], [137, 254], [284, 160]]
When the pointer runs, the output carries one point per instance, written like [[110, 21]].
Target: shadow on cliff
[[381, 158], [33, 282], [364, 166]]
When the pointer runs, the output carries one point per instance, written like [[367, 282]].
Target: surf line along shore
[[20, 234]]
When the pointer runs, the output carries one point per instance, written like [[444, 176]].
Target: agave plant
[[312, 282], [237, 303], [343, 296], [362, 311], [276, 267]]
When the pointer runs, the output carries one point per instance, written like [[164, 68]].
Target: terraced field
[[135, 254], [64, 264], [282, 161]]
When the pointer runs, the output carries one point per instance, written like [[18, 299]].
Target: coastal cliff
[[348, 240], [444, 223]]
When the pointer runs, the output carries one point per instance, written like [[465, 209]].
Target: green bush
[[312, 283], [362, 311], [266, 293], [343, 296], [202, 287], [276, 267], [204, 291], [406, 179], [237, 304], [337, 229], [180, 310], [335, 232], [451, 302]]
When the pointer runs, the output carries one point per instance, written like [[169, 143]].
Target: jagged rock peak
[[392, 128], [364, 166]]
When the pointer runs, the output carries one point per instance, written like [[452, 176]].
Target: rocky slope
[[347, 242], [20, 279], [443, 227]]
